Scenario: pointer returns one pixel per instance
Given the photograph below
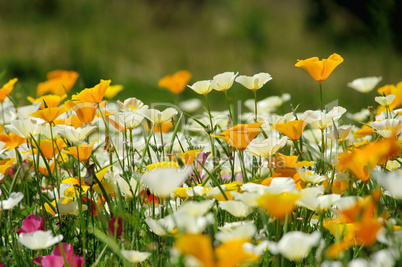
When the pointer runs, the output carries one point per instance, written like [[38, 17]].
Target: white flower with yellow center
[[254, 82]]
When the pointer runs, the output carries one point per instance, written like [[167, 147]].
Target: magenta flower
[[116, 228], [32, 223], [55, 259]]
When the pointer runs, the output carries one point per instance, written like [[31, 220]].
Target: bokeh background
[[136, 42]]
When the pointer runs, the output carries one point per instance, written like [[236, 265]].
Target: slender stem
[[211, 129], [230, 111], [162, 145], [321, 103], [255, 105]]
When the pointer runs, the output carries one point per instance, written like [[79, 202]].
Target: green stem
[[255, 105], [230, 111], [321, 103]]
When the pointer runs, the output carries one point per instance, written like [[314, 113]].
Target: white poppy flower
[[202, 87], [12, 201], [295, 245], [160, 117], [320, 119], [24, 128], [23, 112], [39, 240], [391, 181], [254, 82], [385, 100], [228, 232], [388, 127], [190, 105], [359, 116], [318, 203], [365, 85], [163, 181], [132, 105], [236, 208], [72, 134], [309, 176], [128, 120], [267, 147], [134, 256], [223, 82], [342, 132]]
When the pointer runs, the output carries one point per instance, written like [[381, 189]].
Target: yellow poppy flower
[[11, 140], [49, 114], [320, 69], [292, 129], [177, 82], [51, 101], [50, 148], [5, 165], [81, 152], [58, 82], [113, 90], [6, 89], [188, 157], [240, 135], [227, 254], [94, 94], [85, 111], [278, 205], [73, 191]]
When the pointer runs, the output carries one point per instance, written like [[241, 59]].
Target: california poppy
[[49, 114], [177, 82], [6, 89], [58, 82], [240, 135], [94, 94], [11, 140], [292, 129], [320, 69], [81, 152], [51, 101]]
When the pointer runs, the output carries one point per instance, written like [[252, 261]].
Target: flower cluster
[[126, 182]]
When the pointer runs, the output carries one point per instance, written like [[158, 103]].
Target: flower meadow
[[87, 180]]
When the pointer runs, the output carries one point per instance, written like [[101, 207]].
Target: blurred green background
[[136, 42]]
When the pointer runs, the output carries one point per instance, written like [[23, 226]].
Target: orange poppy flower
[[292, 129], [320, 69], [279, 205], [229, 253], [81, 152], [11, 140], [188, 157], [49, 114], [164, 127], [240, 135], [85, 111], [177, 82], [363, 132], [113, 90], [72, 120], [59, 82], [80, 184], [50, 148], [5, 165], [94, 94], [51, 101], [6, 89], [361, 161]]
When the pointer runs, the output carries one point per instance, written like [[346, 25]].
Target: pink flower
[[116, 228], [56, 258], [32, 223]]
